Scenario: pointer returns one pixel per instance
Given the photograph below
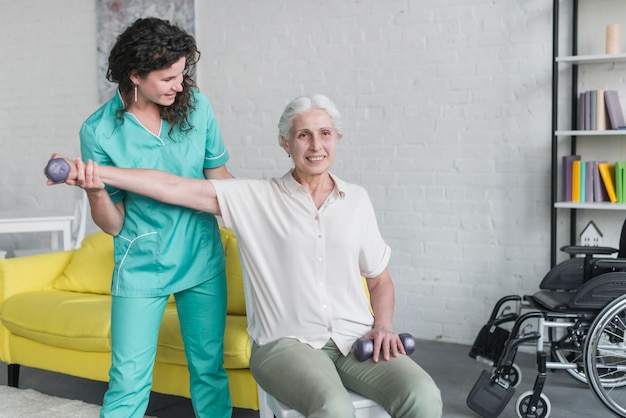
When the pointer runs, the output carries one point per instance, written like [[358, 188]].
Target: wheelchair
[[578, 315]]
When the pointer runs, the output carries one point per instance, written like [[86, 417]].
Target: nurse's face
[[161, 86]]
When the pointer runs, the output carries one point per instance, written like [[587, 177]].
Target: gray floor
[[449, 364]]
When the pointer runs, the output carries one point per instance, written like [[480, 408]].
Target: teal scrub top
[[161, 249]]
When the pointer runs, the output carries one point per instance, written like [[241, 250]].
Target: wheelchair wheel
[[605, 356], [522, 406], [514, 375], [567, 347]]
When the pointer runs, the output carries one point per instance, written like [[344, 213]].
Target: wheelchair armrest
[[587, 250], [506, 318], [611, 263], [498, 306], [511, 347]]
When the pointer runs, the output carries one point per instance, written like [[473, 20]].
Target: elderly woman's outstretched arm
[[196, 194]]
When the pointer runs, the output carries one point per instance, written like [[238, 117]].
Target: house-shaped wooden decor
[[591, 235]]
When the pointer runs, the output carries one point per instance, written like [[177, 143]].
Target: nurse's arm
[[196, 194]]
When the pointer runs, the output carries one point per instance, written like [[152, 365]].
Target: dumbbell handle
[[364, 347], [57, 170]]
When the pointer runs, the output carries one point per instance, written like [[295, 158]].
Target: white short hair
[[302, 104]]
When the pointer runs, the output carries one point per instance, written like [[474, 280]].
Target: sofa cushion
[[234, 274], [63, 319], [91, 268], [236, 341], [237, 345], [75, 313]]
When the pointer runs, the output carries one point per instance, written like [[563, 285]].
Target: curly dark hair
[[153, 44]]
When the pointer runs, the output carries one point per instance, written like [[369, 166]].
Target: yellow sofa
[[55, 315]]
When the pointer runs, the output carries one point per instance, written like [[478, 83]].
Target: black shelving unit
[[555, 112], [574, 61]]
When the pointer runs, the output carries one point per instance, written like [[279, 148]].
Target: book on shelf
[[599, 110], [614, 110], [587, 104], [583, 181], [580, 112], [582, 184], [620, 181], [576, 181], [599, 191], [566, 169], [593, 111], [607, 171], [601, 117], [589, 193]]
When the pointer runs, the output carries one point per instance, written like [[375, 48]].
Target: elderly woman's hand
[[89, 176], [386, 342]]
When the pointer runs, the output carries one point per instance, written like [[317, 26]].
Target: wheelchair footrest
[[489, 398]]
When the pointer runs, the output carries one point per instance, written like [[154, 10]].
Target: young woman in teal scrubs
[[159, 119]]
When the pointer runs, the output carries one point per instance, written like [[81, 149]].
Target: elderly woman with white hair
[[306, 240]]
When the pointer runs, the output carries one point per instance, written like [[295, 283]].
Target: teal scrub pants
[[135, 326], [313, 381]]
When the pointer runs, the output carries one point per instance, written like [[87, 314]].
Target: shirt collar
[[292, 186]]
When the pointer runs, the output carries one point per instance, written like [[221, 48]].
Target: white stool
[[270, 407]]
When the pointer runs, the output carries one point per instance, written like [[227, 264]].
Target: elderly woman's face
[[313, 142]]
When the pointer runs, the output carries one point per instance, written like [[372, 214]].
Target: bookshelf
[[591, 133], [591, 59], [567, 67], [585, 205]]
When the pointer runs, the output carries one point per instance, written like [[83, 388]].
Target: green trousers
[[314, 381], [135, 326]]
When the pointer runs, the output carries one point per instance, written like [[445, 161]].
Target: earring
[[135, 93]]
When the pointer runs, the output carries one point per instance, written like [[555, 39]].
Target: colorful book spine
[[583, 182], [586, 110], [620, 181], [593, 110], [576, 181], [599, 110], [614, 110], [601, 117], [589, 192], [566, 169], [607, 171], [599, 191]]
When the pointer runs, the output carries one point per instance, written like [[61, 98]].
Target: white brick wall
[[49, 75], [447, 111]]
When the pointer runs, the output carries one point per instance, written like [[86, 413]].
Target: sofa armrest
[[36, 272]]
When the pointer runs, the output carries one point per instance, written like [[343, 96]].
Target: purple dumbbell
[[364, 347], [57, 170]]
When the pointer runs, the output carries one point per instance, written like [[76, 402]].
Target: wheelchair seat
[[552, 300], [593, 295]]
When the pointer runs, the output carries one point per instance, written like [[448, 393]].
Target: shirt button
[[319, 236], [319, 259]]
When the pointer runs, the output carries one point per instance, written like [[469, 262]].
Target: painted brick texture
[[447, 124]]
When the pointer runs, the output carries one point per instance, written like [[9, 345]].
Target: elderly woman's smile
[[312, 144]]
